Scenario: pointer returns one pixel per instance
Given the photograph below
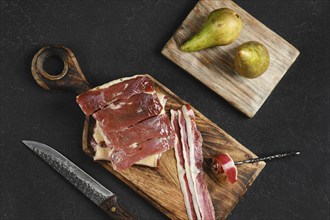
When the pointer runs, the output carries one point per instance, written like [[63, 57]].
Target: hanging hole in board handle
[[70, 79], [54, 65]]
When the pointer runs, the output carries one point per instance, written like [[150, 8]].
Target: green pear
[[222, 27], [251, 59]]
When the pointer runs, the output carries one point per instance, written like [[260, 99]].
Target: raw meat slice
[[125, 158], [155, 127], [196, 164], [187, 196], [122, 114], [101, 96], [103, 152]]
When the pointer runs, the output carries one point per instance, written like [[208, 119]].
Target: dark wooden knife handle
[[70, 79], [115, 211]]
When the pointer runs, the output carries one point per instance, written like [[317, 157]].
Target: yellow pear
[[251, 59], [222, 27]]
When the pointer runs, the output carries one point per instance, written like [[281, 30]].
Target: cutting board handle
[[70, 79]]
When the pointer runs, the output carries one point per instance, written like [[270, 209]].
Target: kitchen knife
[[101, 196]]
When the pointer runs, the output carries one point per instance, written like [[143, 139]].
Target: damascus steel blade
[[76, 176]]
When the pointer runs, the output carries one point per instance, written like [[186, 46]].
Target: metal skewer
[[276, 156]]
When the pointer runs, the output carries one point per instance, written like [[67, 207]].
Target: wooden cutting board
[[160, 186], [214, 66]]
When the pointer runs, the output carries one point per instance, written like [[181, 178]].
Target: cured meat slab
[[161, 185], [214, 66]]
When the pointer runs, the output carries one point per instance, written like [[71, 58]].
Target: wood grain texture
[[161, 186], [70, 79], [214, 66], [115, 211]]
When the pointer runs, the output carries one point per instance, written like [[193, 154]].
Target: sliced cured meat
[[189, 156], [125, 158], [186, 155], [155, 127], [101, 96], [130, 121], [103, 152], [225, 164], [181, 166], [121, 114], [195, 141]]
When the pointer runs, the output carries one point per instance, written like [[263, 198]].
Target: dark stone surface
[[112, 39]]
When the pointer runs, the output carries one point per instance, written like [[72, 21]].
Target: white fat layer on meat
[[189, 171], [113, 82], [98, 133], [194, 171], [150, 93], [119, 93], [162, 99], [102, 153], [118, 106], [151, 160], [181, 170], [191, 144], [228, 165]]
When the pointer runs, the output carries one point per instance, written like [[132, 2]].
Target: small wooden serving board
[[214, 66], [161, 186]]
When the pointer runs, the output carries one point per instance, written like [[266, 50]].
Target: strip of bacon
[[187, 196], [187, 160], [195, 141], [101, 96]]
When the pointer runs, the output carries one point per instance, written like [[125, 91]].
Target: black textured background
[[112, 39]]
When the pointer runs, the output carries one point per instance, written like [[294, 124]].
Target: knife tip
[[27, 143]]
